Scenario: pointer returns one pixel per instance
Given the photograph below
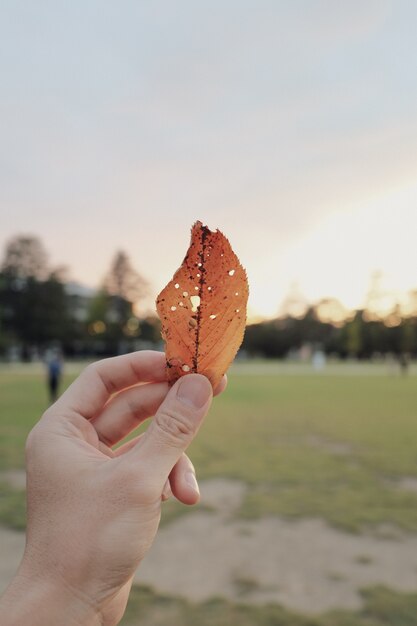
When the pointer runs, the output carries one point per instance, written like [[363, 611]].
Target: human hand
[[93, 511]]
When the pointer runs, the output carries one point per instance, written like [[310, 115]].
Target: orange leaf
[[203, 308]]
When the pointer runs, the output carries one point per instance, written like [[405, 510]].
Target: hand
[[93, 511]]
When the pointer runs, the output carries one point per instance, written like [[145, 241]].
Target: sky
[[290, 126]]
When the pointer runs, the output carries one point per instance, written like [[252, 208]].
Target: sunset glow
[[299, 141]]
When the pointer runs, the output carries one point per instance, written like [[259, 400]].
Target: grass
[[12, 507], [307, 445], [382, 607], [22, 401], [262, 430]]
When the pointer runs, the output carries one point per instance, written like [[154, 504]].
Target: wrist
[[39, 601]]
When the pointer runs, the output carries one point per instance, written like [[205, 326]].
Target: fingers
[[183, 481], [173, 428], [91, 390], [127, 410], [130, 408]]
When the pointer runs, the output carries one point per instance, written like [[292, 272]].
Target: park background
[[292, 128]]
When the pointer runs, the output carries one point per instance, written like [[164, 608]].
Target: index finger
[[90, 391]]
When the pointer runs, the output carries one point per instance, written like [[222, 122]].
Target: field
[[337, 446]]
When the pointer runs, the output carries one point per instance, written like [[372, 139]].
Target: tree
[[34, 307], [331, 311], [294, 304], [25, 257], [352, 335], [124, 281]]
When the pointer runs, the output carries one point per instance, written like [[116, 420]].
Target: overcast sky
[[291, 126]]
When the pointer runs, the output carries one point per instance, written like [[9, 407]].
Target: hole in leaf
[[237, 293], [181, 303], [213, 317], [176, 286], [198, 275], [195, 303], [185, 368], [173, 308], [196, 288], [199, 264], [231, 272], [185, 294], [237, 310], [208, 288]]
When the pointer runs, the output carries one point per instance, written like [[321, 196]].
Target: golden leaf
[[203, 308]]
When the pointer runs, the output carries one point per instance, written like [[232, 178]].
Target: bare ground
[[304, 565]]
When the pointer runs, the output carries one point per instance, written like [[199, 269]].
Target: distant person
[[319, 361], [93, 511], [404, 363], [54, 368]]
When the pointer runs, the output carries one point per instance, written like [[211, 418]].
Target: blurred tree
[[98, 307], [111, 325], [294, 304], [407, 343], [25, 257], [33, 302], [150, 329], [411, 306], [124, 281], [373, 337], [34, 313], [353, 341], [123, 288], [331, 311]]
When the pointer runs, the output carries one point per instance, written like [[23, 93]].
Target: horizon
[[380, 303]]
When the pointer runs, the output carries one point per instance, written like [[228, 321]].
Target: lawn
[[330, 445], [382, 607]]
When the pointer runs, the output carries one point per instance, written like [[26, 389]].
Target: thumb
[[173, 428]]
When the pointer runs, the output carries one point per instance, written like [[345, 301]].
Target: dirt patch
[[407, 483], [14, 478], [305, 565]]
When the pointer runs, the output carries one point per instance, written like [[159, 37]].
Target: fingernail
[[191, 480], [194, 391]]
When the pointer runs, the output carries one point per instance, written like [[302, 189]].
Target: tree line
[[40, 308], [358, 337]]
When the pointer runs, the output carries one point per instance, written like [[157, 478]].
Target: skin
[[93, 511]]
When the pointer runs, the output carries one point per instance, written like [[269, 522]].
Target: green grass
[[261, 432], [278, 433], [382, 607], [22, 401], [306, 445], [12, 507]]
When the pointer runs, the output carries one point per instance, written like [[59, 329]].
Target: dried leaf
[[203, 308]]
